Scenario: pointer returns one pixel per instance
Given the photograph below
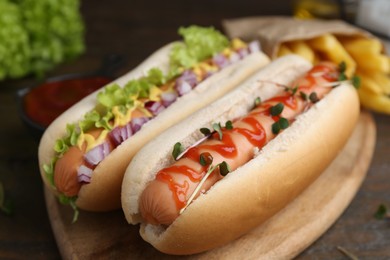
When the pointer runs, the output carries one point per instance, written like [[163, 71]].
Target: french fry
[[365, 45], [367, 52], [301, 48], [369, 84], [329, 46], [374, 63], [284, 50], [382, 80], [378, 103]]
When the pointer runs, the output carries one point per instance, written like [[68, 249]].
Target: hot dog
[[250, 167], [83, 154]]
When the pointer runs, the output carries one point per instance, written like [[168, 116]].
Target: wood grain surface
[[284, 236]]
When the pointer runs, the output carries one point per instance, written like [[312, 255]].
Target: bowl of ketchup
[[40, 104]]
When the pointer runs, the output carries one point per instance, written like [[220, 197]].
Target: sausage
[[164, 197], [66, 168]]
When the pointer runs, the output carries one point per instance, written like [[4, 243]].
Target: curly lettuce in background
[[37, 35]]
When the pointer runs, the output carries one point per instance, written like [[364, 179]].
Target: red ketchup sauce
[[226, 148], [46, 102], [254, 133]]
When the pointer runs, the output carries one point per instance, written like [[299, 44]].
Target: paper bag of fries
[[319, 40]]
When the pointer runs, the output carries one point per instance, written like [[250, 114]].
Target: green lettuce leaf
[[156, 77], [49, 171], [72, 202], [199, 44], [111, 96]]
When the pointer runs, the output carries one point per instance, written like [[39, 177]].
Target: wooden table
[[135, 30]]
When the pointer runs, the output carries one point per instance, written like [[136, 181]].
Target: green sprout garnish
[[277, 109], [382, 212], [279, 125], [205, 131], [224, 169], [257, 101], [356, 81], [229, 125], [177, 150], [217, 127], [205, 159], [304, 96], [313, 97]]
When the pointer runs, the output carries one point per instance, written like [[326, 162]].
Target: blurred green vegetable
[[5, 203], [37, 35]]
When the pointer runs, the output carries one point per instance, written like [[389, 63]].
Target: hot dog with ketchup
[[84, 153], [257, 159]]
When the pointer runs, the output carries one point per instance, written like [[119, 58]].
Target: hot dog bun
[[250, 195], [103, 193]]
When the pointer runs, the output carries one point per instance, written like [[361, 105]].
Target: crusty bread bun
[[103, 193], [251, 194]]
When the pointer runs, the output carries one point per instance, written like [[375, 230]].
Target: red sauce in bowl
[[46, 102]]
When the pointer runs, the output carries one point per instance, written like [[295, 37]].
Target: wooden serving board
[[107, 235]]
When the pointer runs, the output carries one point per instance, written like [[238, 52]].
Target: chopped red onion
[[97, 154], [84, 174], [190, 77], [234, 57], [137, 123], [220, 60], [155, 107], [254, 46], [243, 52], [182, 87], [120, 134], [209, 73], [167, 98]]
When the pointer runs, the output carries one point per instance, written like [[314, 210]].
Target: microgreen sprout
[[205, 131], [293, 90], [356, 81], [382, 212], [217, 127], [313, 97], [229, 125], [224, 169], [277, 109], [303, 95], [257, 101], [205, 159], [177, 150], [279, 125]]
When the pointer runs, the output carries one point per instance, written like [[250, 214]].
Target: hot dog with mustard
[[83, 154]]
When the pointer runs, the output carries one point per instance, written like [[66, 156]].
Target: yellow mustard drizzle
[[155, 93], [238, 44], [202, 68], [141, 107], [227, 52], [90, 140], [121, 119]]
